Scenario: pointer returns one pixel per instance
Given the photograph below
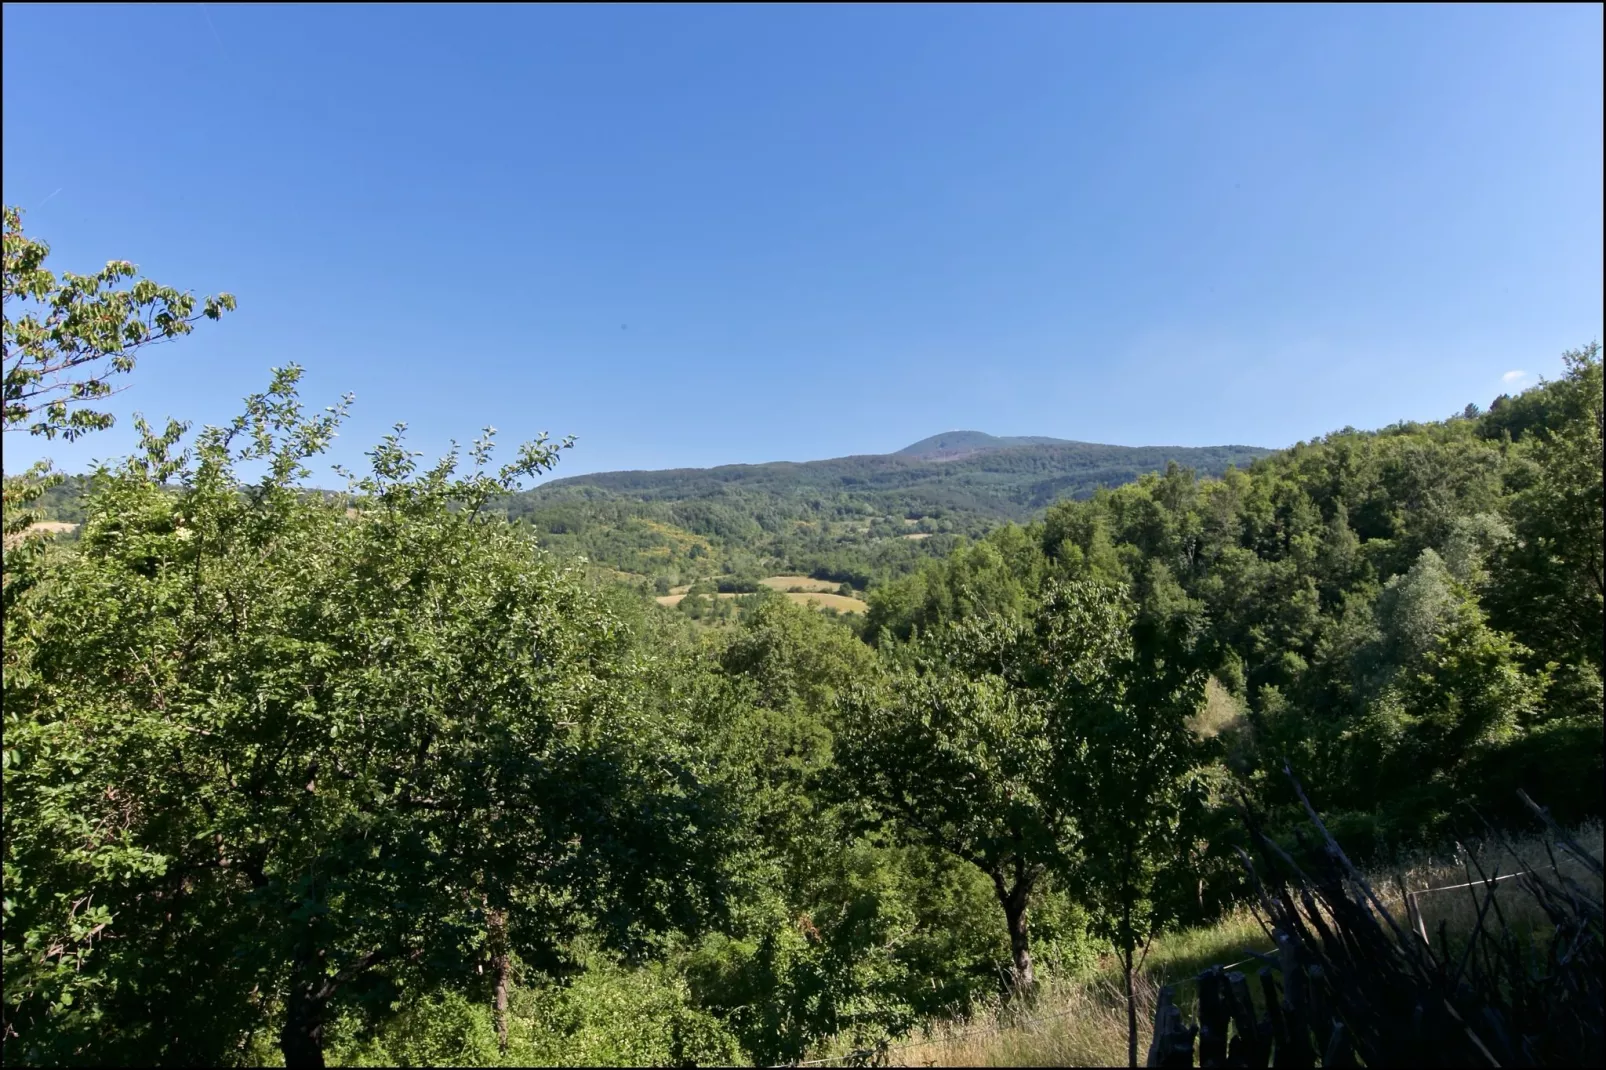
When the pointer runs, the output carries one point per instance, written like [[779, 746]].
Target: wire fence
[[863, 1054]]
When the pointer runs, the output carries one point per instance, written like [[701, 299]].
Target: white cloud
[[1511, 377]]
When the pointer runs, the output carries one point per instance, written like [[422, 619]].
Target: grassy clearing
[[675, 599], [680, 538], [798, 583], [1083, 1022], [820, 595], [1072, 1024], [840, 603], [42, 527], [1436, 884]]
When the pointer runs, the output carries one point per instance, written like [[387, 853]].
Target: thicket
[[373, 776]]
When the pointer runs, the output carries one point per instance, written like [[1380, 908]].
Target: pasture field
[[45, 527], [803, 583], [673, 599], [821, 596], [840, 603]]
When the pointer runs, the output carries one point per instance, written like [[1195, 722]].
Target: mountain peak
[[952, 443]]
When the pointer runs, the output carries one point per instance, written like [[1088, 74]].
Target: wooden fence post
[[1212, 1018], [1251, 1046], [1173, 1043]]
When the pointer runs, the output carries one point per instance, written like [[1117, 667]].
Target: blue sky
[[705, 235]]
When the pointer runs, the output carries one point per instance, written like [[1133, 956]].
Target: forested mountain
[[956, 472], [858, 520]]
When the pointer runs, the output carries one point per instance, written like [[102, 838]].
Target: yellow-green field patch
[[840, 603], [674, 599], [805, 583], [818, 599], [38, 528], [682, 539]]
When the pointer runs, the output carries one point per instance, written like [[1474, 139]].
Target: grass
[[44, 527], [1435, 883], [819, 594], [798, 583], [1071, 1024], [1082, 1022], [680, 538], [840, 603], [673, 600]]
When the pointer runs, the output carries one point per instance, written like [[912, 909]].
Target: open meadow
[[801, 590]]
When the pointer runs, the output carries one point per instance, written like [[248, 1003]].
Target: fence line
[[984, 1030], [1252, 957]]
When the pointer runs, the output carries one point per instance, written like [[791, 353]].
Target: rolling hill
[[963, 471], [857, 520]]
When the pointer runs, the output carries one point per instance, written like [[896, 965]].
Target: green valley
[[855, 520]]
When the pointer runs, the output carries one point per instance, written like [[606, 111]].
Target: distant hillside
[[963, 471], [855, 520]]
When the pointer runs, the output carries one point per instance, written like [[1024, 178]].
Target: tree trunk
[[1129, 943], [1131, 1013], [311, 990], [301, 1037], [1020, 949], [499, 970]]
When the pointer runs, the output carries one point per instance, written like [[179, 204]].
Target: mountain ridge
[[971, 471]]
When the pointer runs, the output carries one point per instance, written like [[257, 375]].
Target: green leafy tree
[[66, 337], [1555, 583], [63, 339], [275, 753], [837, 934], [958, 756], [1130, 769], [998, 575], [1439, 691]]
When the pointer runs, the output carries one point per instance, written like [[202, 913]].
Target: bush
[[612, 1016]]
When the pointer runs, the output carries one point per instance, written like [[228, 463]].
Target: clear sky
[[703, 235]]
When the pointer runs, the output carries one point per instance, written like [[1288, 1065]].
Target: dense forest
[[386, 775]]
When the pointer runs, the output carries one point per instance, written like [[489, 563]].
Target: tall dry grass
[[1070, 1023], [1083, 1022], [1437, 887]]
